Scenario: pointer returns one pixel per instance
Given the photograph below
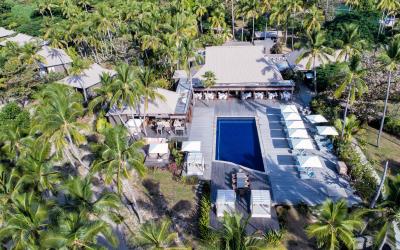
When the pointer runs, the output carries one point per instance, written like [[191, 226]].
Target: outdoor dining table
[[241, 180]]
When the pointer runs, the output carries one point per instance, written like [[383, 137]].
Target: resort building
[[5, 32], [240, 69], [88, 80], [165, 116], [53, 60], [22, 39]]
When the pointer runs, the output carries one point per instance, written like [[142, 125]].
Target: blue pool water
[[237, 142]]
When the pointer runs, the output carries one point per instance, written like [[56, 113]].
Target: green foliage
[[322, 106], [274, 237], [204, 218], [12, 115], [367, 21], [392, 126], [276, 48], [326, 74]]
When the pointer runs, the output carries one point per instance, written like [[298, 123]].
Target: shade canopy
[[326, 130], [288, 109], [158, 148], [291, 117], [295, 124], [316, 119], [309, 161], [226, 196], [191, 146], [302, 144], [260, 197], [133, 123], [298, 133]]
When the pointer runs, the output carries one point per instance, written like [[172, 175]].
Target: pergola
[[260, 204], [226, 200], [289, 109], [291, 117], [298, 133], [314, 119], [295, 124]]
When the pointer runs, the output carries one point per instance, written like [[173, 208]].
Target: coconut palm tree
[[156, 235], [148, 82], [388, 209], [217, 19], [200, 9], [266, 6], [312, 19], [280, 16], [353, 80], [335, 226], [56, 118], [350, 42], [293, 7], [233, 235], [352, 4], [314, 49], [73, 230], [252, 11], [46, 5], [103, 94], [26, 220], [117, 160], [387, 7], [391, 60]]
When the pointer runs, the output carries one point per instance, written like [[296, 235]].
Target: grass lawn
[[389, 150], [173, 192]]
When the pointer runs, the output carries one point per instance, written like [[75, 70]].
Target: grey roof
[[88, 78], [4, 32], [22, 39], [238, 66], [53, 57], [171, 103]]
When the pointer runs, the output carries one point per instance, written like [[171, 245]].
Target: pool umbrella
[[316, 119], [295, 124], [288, 109], [158, 148], [309, 161], [326, 130], [191, 146], [298, 133], [301, 143], [291, 117]]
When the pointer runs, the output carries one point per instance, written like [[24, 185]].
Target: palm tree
[[352, 4], [58, 110], [26, 220], [293, 7], [200, 10], [46, 5], [335, 226], [354, 82], [280, 16], [233, 235], [209, 80], [217, 19], [149, 83], [118, 158], [313, 19], [350, 42], [387, 7], [314, 49], [351, 127], [391, 60], [252, 11], [73, 230], [266, 6], [389, 209], [154, 235]]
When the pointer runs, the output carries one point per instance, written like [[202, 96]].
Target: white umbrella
[[298, 133], [132, 123], [302, 144], [191, 146], [326, 130], [309, 161], [316, 119], [291, 117], [288, 109], [158, 148], [295, 124]]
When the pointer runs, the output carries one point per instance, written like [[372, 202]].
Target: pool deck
[[286, 186], [222, 174]]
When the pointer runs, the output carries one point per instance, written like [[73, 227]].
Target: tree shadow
[[158, 202]]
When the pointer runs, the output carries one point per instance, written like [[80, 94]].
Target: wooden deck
[[221, 173]]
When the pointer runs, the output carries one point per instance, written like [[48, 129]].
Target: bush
[[392, 126], [274, 238], [328, 109], [276, 48], [13, 115], [204, 219], [190, 180]]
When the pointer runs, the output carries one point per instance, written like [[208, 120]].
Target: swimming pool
[[237, 142]]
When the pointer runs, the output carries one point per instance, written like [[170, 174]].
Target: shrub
[[276, 48], [274, 237], [204, 219], [178, 157], [392, 126], [190, 180], [13, 115]]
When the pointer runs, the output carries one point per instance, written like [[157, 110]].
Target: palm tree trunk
[[292, 36], [252, 37], [286, 29], [243, 28], [345, 111], [201, 25], [384, 238], [266, 26], [233, 20], [378, 192], [384, 109], [66, 152], [315, 76]]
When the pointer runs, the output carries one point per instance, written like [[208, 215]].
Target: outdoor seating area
[[157, 153], [194, 160], [300, 141]]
